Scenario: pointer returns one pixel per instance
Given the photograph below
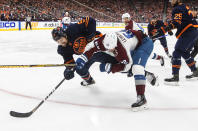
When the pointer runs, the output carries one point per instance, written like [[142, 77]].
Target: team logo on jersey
[[79, 45]]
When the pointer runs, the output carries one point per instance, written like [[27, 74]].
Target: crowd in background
[[101, 10]]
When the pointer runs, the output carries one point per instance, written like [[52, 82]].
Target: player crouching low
[[117, 52]]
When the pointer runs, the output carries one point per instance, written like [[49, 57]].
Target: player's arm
[[177, 16], [94, 46], [67, 55], [129, 25], [90, 49]]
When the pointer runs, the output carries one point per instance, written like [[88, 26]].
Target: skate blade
[[140, 108], [192, 79], [171, 83], [157, 81]]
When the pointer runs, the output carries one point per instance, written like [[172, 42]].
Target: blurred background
[[102, 10]]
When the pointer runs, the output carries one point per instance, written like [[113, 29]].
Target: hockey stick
[[160, 37], [22, 115], [26, 66]]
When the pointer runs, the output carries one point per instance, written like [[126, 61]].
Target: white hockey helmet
[[110, 40], [125, 15], [66, 13]]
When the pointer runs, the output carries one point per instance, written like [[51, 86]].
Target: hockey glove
[[105, 67], [69, 73], [80, 62]]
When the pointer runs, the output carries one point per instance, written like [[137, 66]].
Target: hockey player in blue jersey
[[187, 35], [195, 23], [73, 40], [155, 25]]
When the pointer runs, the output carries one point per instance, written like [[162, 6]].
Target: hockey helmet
[[125, 15], [58, 32], [110, 40]]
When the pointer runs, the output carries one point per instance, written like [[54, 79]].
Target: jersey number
[[178, 16]]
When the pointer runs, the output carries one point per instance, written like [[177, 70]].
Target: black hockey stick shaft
[[18, 114]]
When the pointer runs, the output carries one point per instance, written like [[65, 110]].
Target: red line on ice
[[97, 106]]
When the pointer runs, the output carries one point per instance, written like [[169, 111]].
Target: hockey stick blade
[[22, 115]]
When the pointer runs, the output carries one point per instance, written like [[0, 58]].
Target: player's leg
[[163, 42], [182, 48], [191, 64], [30, 25], [26, 25], [140, 57], [97, 57], [195, 49], [176, 64], [158, 57]]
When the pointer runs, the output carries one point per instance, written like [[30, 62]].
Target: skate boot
[[174, 81], [152, 79], [193, 76], [140, 104], [162, 61], [169, 56], [88, 82]]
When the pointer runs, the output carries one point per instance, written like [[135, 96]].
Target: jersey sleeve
[[129, 25], [122, 57], [67, 54], [94, 46]]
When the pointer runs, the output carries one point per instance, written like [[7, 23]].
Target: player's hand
[[69, 73], [105, 67]]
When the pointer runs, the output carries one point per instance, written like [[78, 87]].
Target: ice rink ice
[[104, 106]]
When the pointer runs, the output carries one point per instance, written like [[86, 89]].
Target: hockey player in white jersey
[[117, 52], [132, 25], [66, 21]]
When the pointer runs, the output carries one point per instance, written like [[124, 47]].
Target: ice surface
[[102, 107]]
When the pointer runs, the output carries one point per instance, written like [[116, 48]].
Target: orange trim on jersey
[[196, 26], [191, 64], [70, 61], [87, 21], [184, 30], [176, 66], [178, 21], [97, 36], [163, 30]]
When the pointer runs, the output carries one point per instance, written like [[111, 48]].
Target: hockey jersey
[[78, 36], [125, 44], [182, 19]]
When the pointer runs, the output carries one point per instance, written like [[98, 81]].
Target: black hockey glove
[[69, 73]]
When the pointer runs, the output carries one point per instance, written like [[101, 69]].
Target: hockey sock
[[87, 77], [156, 57], [191, 64], [140, 89]]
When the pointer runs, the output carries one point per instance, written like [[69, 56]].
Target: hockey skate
[[193, 76], [162, 61], [88, 82], [174, 81], [169, 56], [152, 79], [140, 104]]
